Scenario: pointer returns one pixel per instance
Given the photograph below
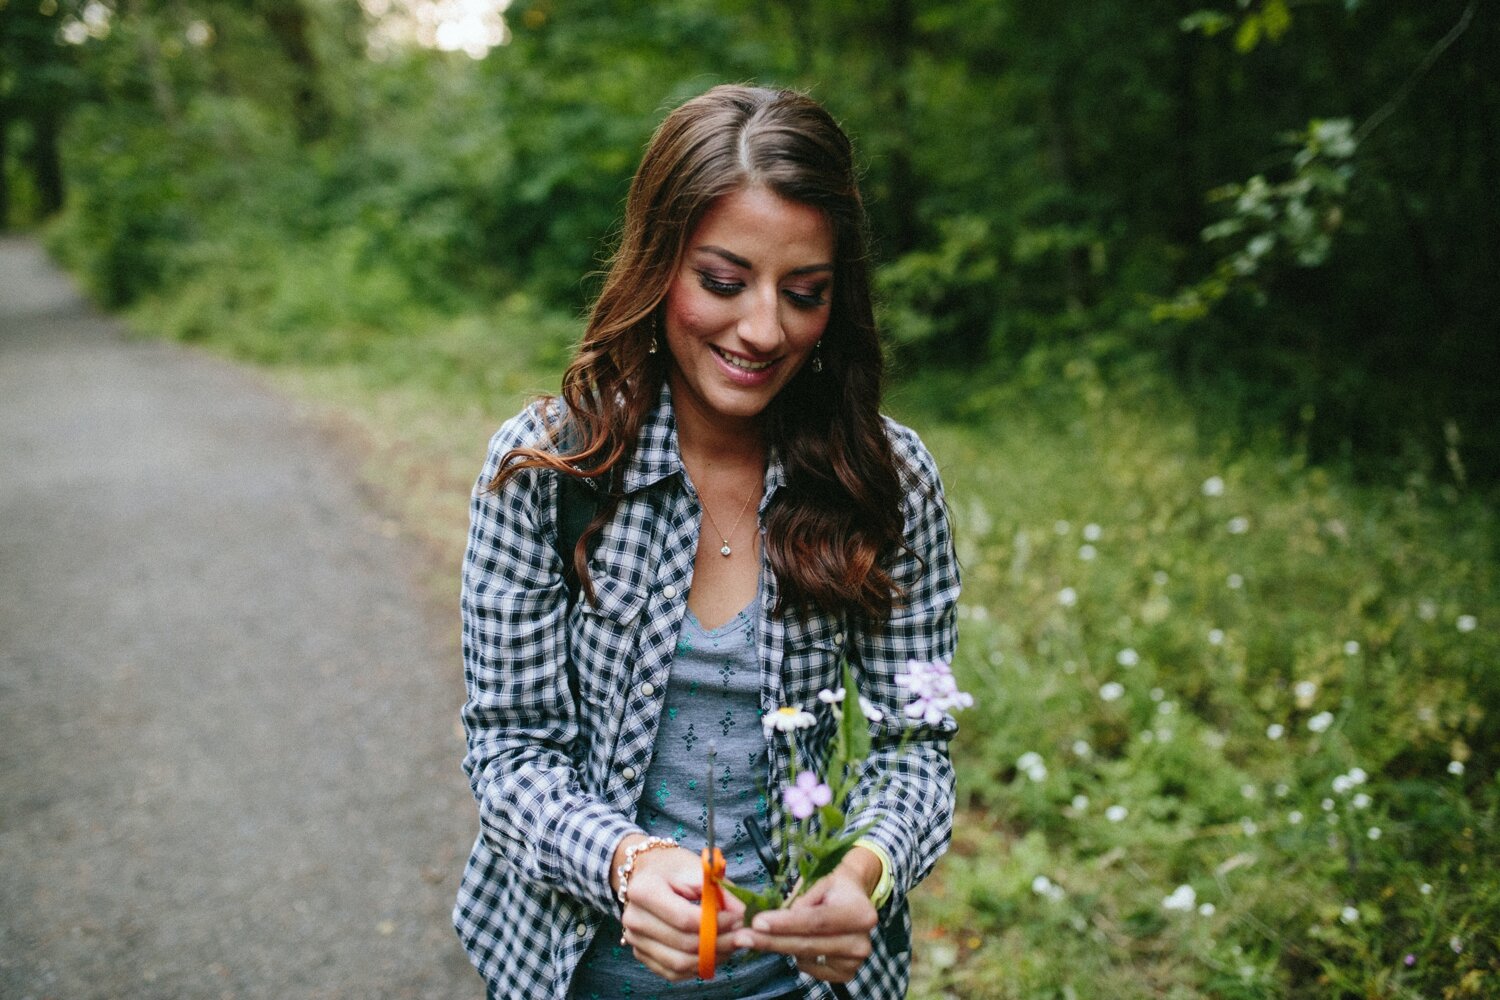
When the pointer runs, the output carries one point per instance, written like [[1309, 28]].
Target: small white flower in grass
[[1373, 833], [1294, 817], [1238, 525], [1425, 888], [1327, 805], [1166, 708], [1275, 731], [1342, 784], [1234, 581], [1070, 667], [1360, 801], [1031, 764], [1081, 748], [786, 719], [1062, 527], [1213, 486], [1116, 814], [1427, 610], [1160, 578], [1358, 776], [1207, 909], [1249, 791], [1148, 736], [1216, 637], [1067, 597], [1127, 657], [1248, 826], [1113, 691], [1214, 739], [1305, 692], [1455, 767], [1080, 803], [1466, 623], [1087, 553], [1351, 648], [1040, 885], [1282, 788], [1349, 915], [1457, 944], [1182, 899], [1320, 722], [1092, 532], [1157, 694]]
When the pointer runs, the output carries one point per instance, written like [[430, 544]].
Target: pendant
[[725, 550]]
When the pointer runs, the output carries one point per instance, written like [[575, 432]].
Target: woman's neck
[[706, 440]]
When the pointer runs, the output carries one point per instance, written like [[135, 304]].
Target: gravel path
[[228, 744]]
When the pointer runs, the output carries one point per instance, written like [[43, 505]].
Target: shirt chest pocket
[[602, 640], [812, 657]]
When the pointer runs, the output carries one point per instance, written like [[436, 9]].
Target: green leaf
[[829, 857], [755, 902], [854, 731]]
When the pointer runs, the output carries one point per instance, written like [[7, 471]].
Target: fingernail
[[761, 924]]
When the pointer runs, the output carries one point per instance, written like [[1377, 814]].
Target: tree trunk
[[4, 167], [46, 162], [287, 22]]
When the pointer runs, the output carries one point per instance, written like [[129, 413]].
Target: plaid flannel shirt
[[557, 778]]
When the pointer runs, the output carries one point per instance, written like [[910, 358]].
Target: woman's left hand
[[827, 929]]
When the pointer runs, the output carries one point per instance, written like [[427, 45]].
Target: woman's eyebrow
[[739, 261]]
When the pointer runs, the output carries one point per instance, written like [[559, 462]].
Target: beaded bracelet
[[628, 865]]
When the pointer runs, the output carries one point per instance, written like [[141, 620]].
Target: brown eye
[[717, 285]]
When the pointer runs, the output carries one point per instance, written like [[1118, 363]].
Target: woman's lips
[[741, 370]]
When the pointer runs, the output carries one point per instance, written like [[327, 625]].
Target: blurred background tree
[[1042, 177]]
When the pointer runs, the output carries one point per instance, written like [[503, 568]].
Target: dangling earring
[[655, 333], [817, 358]]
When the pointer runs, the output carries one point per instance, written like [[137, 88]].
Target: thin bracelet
[[628, 865]]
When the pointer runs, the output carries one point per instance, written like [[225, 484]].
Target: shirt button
[[669, 591], [838, 638], [582, 930], [648, 689], [627, 772]]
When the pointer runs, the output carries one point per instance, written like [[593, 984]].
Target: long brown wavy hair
[[839, 513]]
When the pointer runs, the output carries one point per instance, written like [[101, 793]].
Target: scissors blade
[[713, 751]]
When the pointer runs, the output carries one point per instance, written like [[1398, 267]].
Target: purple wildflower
[[806, 795], [935, 691]]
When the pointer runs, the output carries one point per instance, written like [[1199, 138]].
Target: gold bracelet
[[628, 865]]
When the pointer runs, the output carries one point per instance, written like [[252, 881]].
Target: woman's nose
[[760, 328]]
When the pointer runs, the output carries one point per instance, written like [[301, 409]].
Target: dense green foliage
[[1157, 276], [1288, 210]]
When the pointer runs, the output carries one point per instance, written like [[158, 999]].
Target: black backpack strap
[[577, 503]]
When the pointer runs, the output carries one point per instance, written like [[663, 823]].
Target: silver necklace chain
[[727, 551]]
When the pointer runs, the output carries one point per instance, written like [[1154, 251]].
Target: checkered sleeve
[[908, 790], [520, 717]]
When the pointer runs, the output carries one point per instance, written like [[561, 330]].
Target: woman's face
[[747, 305]]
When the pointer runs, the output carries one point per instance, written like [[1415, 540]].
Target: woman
[[729, 365]]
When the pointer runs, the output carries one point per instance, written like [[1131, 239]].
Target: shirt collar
[[658, 456]]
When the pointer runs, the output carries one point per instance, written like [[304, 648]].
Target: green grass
[[1141, 607]]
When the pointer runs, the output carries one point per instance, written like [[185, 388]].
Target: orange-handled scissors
[[713, 896]]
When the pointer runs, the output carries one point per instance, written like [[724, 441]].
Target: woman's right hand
[[662, 913]]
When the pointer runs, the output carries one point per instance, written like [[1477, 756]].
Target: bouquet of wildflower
[[816, 807]]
